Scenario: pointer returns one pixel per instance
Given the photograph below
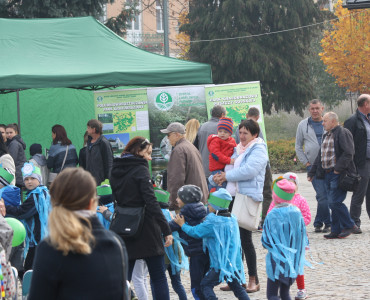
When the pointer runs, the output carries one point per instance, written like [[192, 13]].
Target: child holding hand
[[220, 234]]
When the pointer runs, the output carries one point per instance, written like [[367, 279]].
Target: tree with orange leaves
[[346, 49]]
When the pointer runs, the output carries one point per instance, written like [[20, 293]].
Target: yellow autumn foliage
[[183, 39], [346, 48]]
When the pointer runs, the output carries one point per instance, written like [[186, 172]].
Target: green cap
[[219, 202], [5, 177], [104, 190], [161, 195], [281, 193]]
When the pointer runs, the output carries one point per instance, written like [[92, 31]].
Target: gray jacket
[[306, 136], [99, 159], [16, 147], [204, 132]]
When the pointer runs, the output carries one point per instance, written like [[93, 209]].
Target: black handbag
[[128, 222], [349, 182]]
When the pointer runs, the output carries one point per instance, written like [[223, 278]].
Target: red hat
[[227, 124]]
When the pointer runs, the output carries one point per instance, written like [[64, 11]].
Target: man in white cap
[[185, 164]]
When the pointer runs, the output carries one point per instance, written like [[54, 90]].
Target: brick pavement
[[344, 274]]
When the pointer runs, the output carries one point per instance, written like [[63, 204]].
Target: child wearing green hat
[[284, 236], [175, 258], [220, 233], [105, 209], [33, 212]]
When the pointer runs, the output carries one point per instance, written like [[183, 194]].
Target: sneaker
[[301, 294], [346, 232], [331, 235], [326, 229], [357, 230], [318, 229]]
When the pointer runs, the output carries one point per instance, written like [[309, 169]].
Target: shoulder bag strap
[[125, 290], [65, 157]]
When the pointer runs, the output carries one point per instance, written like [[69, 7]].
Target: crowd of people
[[92, 229]]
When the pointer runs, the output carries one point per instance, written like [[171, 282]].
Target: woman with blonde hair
[[191, 130], [79, 259]]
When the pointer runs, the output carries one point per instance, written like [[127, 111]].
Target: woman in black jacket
[[80, 259], [132, 187]]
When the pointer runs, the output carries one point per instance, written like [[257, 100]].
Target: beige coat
[[185, 167]]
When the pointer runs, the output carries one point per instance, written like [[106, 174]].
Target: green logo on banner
[[211, 93], [163, 101]]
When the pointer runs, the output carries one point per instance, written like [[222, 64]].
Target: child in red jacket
[[221, 147]]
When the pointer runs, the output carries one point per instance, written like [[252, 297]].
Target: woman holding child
[[132, 187], [247, 177]]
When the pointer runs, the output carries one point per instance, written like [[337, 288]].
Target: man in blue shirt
[[359, 125]]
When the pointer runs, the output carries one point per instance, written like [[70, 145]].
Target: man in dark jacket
[[335, 157], [359, 125], [99, 153]]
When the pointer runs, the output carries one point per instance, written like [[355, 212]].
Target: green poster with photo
[[124, 114], [237, 98]]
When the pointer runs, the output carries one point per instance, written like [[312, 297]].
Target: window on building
[[133, 33], [159, 15]]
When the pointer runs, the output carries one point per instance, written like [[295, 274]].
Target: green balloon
[[19, 234]]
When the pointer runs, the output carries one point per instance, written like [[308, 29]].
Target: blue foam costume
[[284, 236], [222, 239], [176, 255]]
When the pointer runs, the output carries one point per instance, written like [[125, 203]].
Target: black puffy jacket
[[194, 213]]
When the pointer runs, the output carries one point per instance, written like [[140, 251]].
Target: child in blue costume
[[10, 194], [175, 258], [284, 236], [105, 209], [220, 233], [193, 211], [33, 212]]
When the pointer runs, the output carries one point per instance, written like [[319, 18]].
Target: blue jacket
[[56, 156], [251, 173], [222, 239], [194, 213]]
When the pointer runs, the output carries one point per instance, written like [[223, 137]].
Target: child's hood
[[229, 141], [195, 210], [40, 159], [20, 140]]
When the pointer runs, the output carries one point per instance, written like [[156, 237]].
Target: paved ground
[[344, 274]]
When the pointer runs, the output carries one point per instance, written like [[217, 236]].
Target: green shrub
[[283, 157]]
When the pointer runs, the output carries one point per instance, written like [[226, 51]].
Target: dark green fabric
[[76, 52]]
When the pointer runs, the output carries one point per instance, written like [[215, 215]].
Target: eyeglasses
[[168, 134]]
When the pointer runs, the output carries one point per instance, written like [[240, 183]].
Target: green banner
[[237, 98], [124, 114]]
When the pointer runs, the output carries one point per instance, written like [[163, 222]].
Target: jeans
[[273, 289], [198, 267], [217, 187], [157, 275], [363, 190], [339, 211], [212, 279], [322, 212], [249, 252], [176, 284]]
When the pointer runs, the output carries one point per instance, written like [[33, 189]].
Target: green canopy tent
[[80, 53]]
